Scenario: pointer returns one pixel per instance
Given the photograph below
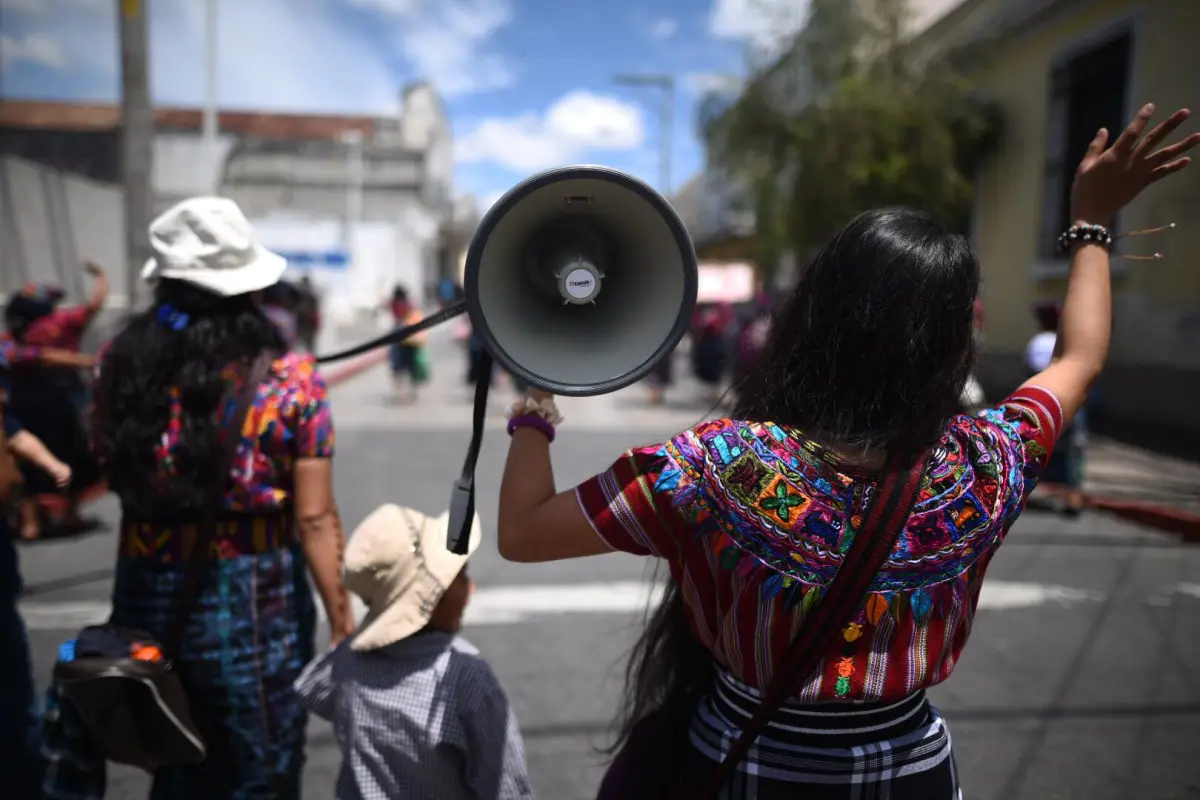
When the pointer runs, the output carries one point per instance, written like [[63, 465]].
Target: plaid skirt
[[892, 751], [241, 653]]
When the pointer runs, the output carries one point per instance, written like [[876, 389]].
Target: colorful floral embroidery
[[289, 419], [755, 520]]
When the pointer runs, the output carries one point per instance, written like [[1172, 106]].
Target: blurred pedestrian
[[752, 336], [416, 711], [279, 304], [711, 330], [51, 400], [165, 390], [408, 359], [308, 314], [1065, 473], [827, 544]]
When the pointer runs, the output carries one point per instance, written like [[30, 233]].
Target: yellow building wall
[[1153, 299], [1153, 377]]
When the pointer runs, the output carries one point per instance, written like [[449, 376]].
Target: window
[[1089, 91]]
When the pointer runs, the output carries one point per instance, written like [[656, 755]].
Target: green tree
[[850, 116]]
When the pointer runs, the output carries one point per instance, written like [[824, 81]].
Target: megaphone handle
[[462, 497]]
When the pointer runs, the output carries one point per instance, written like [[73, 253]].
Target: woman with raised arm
[[860, 383], [166, 389]]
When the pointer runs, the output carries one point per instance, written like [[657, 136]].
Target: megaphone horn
[[580, 280]]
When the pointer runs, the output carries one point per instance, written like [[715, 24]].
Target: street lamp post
[[666, 84]]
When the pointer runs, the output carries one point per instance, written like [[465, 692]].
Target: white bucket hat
[[397, 562], [208, 242]]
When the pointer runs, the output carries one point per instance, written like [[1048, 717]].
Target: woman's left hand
[[538, 395]]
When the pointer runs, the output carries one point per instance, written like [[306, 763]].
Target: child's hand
[[61, 473]]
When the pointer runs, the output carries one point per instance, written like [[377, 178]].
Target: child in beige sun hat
[[416, 710]]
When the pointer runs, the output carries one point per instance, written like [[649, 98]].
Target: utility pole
[[210, 126], [137, 141], [666, 141]]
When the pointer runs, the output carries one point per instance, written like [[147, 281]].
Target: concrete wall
[[48, 221]]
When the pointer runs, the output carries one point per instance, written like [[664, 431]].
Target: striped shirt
[[422, 718], [754, 519]]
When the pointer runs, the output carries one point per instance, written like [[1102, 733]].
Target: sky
[[529, 84]]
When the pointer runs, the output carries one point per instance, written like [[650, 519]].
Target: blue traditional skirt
[[240, 655]]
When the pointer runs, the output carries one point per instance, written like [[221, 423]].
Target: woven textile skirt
[[240, 655], [900, 751]]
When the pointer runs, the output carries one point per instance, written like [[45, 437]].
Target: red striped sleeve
[[1036, 417], [630, 505]]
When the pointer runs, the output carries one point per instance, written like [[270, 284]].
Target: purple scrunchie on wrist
[[531, 421]]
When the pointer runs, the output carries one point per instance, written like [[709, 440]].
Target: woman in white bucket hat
[[165, 389]]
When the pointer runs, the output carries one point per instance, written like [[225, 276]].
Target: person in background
[[50, 400], [308, 314], [416, 711], [1064, 475], [279, 304], [20, 727], [752, 336], [860, 383], [711, 328], [17, 360], [407, 359], [165, 389]]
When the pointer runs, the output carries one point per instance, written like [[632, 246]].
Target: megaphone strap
[[397, 334], [462, 498]]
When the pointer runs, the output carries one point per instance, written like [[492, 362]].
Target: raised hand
[[92, 268], [1108, 179]]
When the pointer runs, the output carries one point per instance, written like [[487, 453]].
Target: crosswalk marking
[[510, 605]]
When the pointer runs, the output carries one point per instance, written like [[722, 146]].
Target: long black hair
[[870, 353], [185, 342]]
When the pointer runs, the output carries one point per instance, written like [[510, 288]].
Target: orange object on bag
[[146, 652]]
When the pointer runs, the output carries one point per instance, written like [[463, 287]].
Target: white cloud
[[763, 24], [33, 48], [446, 40], [578, 123], [664, 29]]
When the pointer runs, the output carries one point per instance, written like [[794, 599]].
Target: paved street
[[1079, 682]]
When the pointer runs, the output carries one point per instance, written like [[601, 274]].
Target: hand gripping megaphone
[[579, 281]]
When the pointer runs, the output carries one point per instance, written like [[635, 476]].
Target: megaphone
[[580, 280]]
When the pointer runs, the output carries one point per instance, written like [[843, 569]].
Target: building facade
[[382, 185], [1060, 70]]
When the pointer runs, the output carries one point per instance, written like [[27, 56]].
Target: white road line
[[508, 605]]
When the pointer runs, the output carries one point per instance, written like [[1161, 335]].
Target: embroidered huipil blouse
[[289, 418], [753, 519]]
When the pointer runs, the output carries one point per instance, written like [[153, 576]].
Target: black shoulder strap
[[893, 502], [462, 497], [208, 524]]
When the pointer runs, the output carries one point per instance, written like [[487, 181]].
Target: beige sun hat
[[208, 242], [397, 562]]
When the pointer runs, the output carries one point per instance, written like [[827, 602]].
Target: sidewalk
[[1144, 487]]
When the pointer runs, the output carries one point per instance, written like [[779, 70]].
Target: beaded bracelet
[[531, 421], [1085, 233]]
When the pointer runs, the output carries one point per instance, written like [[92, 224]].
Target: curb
[[356, 367], [1169, 520]]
